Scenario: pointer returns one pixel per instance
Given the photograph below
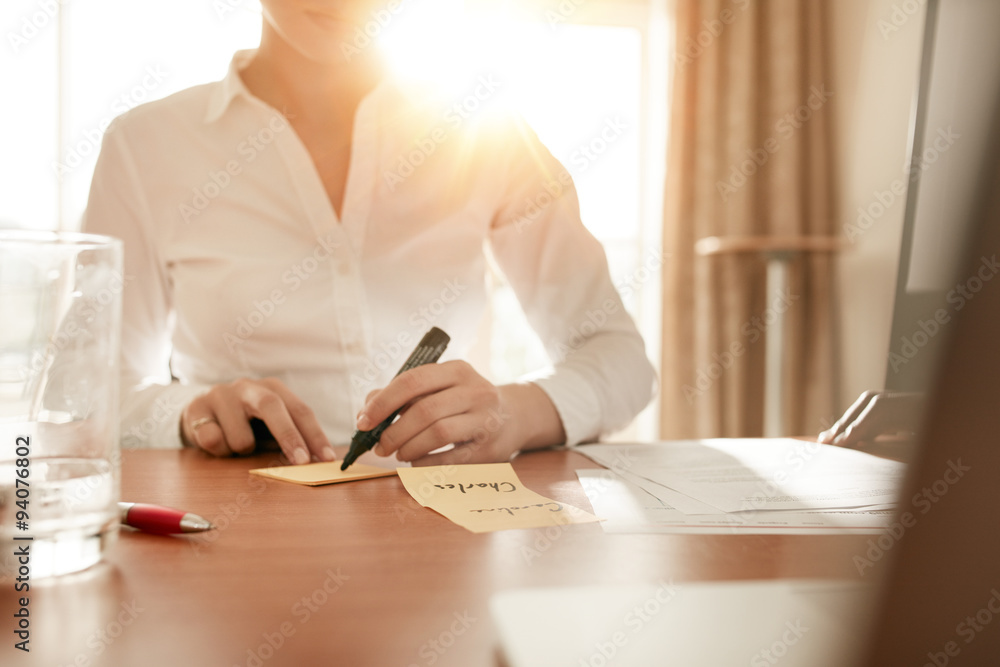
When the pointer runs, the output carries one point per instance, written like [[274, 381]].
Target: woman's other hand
[[218, 421], [875, 414]]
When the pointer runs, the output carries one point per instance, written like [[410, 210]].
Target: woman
[[293, 230]]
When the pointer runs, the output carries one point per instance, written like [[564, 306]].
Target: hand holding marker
[[428, 351]]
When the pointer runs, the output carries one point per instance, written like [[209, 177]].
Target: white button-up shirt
[[236, 264]]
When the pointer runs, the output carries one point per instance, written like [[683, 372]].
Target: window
[[74, 66], [598, 103]]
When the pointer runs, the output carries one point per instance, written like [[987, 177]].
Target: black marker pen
[[428, 351]]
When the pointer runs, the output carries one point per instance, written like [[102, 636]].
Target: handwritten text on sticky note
[[486, 497]]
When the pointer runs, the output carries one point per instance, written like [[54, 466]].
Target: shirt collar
[[230, 87]]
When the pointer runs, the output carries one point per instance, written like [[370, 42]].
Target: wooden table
[[350, 574]]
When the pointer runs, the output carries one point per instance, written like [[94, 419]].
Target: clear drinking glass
[[60, 330]]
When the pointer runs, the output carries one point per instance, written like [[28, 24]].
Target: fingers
[[201, 429], [444, 404], [306, 424], [269, 407], [201, 426], [407, 387], [218, 421], [456, 429], [233, 433], [880, 414], [831, 435], [431, 423], [368, 399], [863, 429], [438, 417]]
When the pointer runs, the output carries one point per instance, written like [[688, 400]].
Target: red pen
[[161, 520]]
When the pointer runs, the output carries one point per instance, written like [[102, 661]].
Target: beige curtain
[[749, 155]]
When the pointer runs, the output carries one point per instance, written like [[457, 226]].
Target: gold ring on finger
[[201, 421]]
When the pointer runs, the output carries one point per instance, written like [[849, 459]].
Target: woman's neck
[[296, 85]]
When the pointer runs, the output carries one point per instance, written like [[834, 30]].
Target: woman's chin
[[332, 25], [336, 46]]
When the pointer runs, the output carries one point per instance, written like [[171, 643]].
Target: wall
[[876, 53]]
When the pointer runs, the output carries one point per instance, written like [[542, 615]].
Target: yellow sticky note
[[316, 474], [486, 497]]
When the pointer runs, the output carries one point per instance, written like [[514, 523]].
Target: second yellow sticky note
[[486, 497]]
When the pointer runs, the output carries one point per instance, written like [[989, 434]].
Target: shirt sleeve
[[151, 400], [601, 377]]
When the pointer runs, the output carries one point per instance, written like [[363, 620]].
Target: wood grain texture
[[354, 573]]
